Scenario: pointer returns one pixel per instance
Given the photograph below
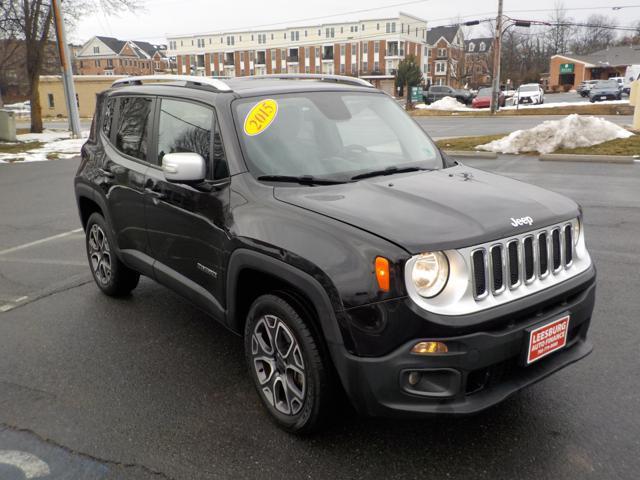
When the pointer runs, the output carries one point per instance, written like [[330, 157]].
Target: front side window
[[133, 126], [187, 127], [333, 135]]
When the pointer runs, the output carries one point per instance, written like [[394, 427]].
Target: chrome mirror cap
[[184, 167]]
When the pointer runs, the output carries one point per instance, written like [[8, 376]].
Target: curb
[[568, 157], [472, 154]]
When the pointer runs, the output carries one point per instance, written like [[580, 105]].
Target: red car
[[483, 99]]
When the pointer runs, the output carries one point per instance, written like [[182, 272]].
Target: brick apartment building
[[111, 56], [478, 61], [369, 49], [445, 57]]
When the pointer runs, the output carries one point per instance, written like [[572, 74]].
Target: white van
[[631, 75]]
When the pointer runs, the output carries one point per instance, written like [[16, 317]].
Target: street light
[[500, 21]]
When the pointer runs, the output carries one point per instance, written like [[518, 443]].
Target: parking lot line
[[38, 242]]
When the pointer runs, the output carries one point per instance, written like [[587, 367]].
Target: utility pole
[[67, 70], [495, 94]]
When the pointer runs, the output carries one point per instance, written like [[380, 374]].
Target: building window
[[342, 50], [472, 46], [354, 68], [376, 47], [364, 66], [376, 66], [441, 68], [377, 26], [52, 103], [97, 63], [109, 62], [365, 48], [306, 52], [388, 28], [353, 49], [393, 27], [96, 49], [305, 33], [341, 29], [283, 55], [295, 36], [442, 53], [272, 36], [483, 47], [402, 27], [342, 68]]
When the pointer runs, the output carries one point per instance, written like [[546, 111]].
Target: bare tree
[[31, 22], [596, 34], [559, 33]]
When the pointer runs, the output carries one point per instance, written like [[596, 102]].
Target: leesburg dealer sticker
[[260, 117], [547, 339]]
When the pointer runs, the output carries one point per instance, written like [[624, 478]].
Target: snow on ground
[[23, 108], [446, 103], [571, 132], [56, 144]]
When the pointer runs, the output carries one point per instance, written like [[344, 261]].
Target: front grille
[[513, 262]]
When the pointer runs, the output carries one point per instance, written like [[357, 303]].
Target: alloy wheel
[[99, 254], [278, 364]]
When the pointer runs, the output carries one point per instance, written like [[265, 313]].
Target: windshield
[[607, 84], [484, 92], [529, 88], [334, 135]]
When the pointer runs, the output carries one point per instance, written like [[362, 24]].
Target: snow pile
[[446, 103], [562, 104], [56, 144], [21, 108], [570, 132]]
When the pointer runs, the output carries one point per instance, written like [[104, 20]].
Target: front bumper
[[481, 369]]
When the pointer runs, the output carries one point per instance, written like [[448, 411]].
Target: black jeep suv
[[314, 217]]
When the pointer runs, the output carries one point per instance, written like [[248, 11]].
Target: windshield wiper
[[387, 171], [303, 179]]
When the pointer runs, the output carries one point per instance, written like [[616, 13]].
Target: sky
[[159, 18]]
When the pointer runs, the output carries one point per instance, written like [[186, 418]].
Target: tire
[[295, 388], [112, 276]]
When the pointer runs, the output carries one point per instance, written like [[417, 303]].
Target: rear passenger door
[[186, 222], [126, 129]]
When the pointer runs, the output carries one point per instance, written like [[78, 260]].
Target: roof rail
[[316, 76], [189, 80]]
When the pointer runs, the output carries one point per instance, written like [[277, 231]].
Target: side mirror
[[184, 167]]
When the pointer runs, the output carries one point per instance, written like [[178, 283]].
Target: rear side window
[[188, 127], [107, 116], [133, 126]]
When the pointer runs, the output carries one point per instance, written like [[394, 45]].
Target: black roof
[[113, 43], [448, 33], [246, 87]]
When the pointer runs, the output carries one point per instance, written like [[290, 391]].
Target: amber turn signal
[[382, 273], [427, 348]]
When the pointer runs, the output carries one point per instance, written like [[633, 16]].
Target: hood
[[452, 208], [527, 94]]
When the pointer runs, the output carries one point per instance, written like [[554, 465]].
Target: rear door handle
[[154, 194], [106, 173]]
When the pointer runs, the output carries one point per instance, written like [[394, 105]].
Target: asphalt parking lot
[[149, 387]]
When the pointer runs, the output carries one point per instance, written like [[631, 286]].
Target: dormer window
[[472, 46], [483, 47]]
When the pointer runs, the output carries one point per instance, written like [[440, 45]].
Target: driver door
[[186, 222]]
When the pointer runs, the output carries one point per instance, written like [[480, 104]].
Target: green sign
[[416, 94], [566, 68]]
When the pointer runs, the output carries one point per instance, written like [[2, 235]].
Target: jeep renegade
[[312, 216]]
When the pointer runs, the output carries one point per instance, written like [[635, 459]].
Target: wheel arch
[[299, 285]]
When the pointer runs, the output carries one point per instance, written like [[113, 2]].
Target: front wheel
[[112, 276], [288, 366]]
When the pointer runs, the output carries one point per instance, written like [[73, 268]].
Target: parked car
[[312, 216], [438, 92], [584, 87], [620, 81], [631, 75], [605, 90], [529, 93], [483, 99]]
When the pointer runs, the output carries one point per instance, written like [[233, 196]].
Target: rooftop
[[613, 56]]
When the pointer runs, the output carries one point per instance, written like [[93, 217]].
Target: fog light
[[414, 378], [427, 348]]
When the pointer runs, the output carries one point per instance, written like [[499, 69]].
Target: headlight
[[577, 230], [430, 273]]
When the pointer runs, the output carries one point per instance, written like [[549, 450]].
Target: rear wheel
[[287, 364], [112, 276]]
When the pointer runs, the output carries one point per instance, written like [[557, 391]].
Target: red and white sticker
[[547, 339]]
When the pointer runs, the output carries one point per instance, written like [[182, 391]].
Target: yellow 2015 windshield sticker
[[260, 117]]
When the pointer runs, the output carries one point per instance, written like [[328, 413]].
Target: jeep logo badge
[[518, 222]]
